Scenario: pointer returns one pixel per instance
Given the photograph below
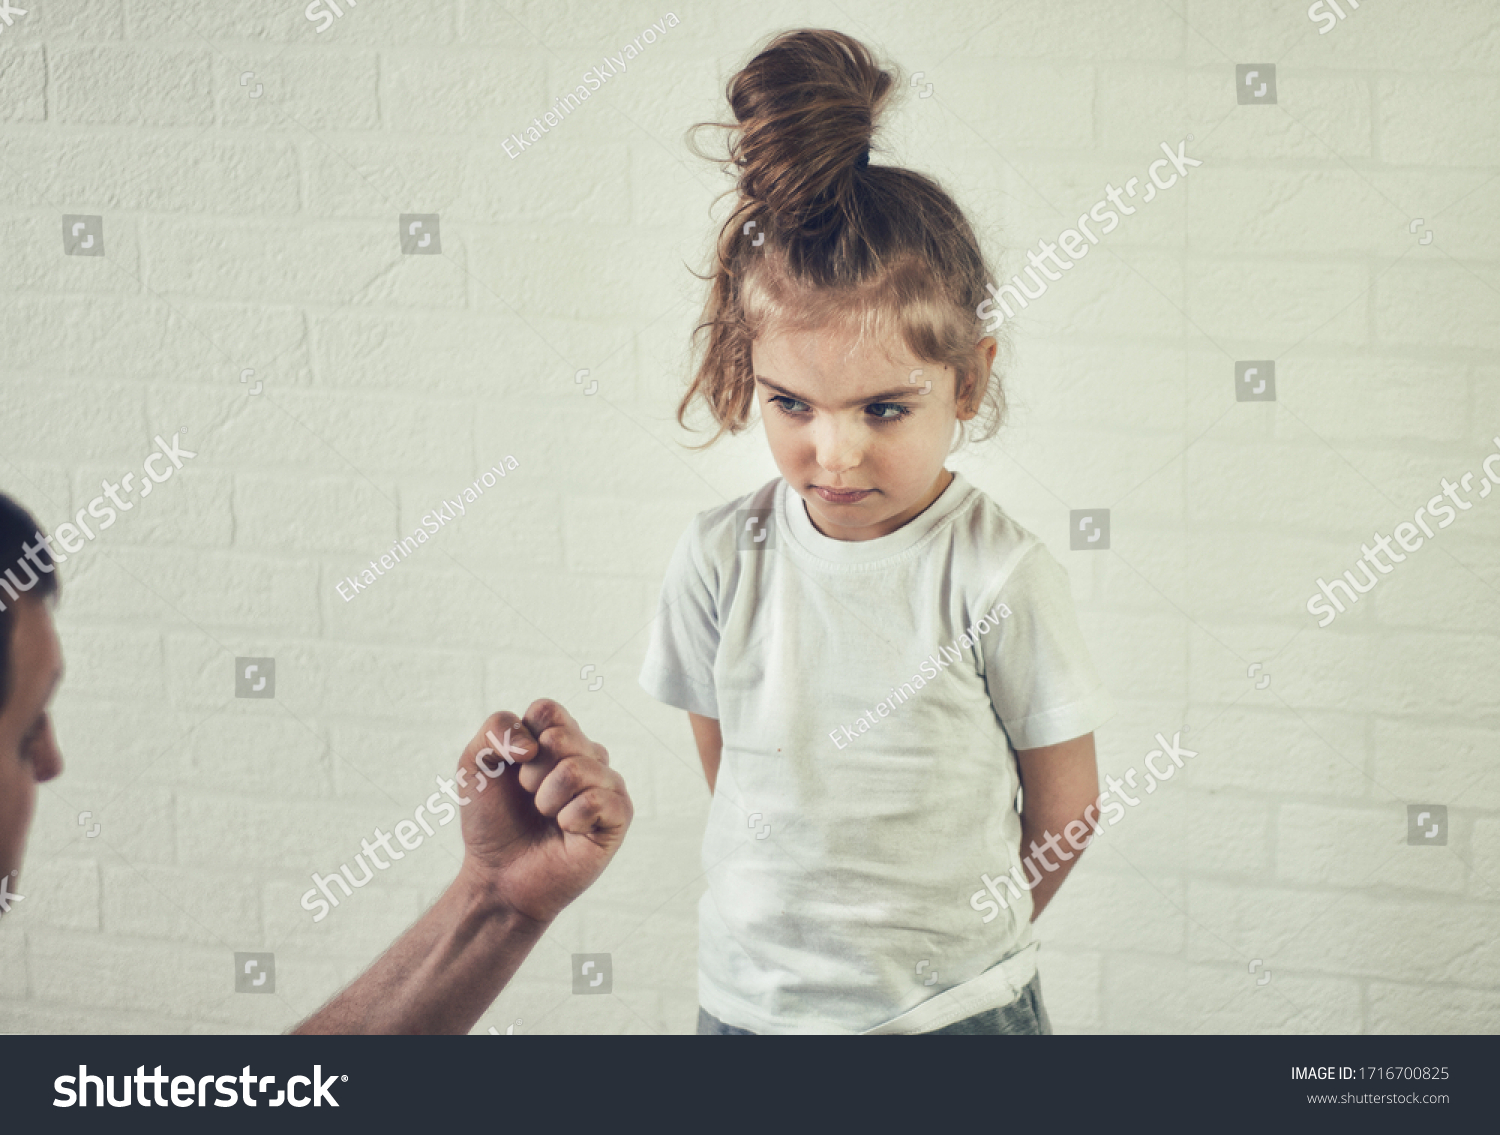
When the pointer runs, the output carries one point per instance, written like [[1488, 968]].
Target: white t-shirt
[[871, 696]]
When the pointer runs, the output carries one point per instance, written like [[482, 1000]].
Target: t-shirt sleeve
[[679, 665], [1041, 680]]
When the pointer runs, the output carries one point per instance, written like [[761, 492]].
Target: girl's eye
[[880, 411]]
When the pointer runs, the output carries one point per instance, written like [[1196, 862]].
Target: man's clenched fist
[[542, 815], [545, 812]]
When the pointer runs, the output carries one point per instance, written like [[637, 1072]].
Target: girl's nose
[[839, 446]]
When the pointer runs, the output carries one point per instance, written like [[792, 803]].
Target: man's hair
[[19, 575]]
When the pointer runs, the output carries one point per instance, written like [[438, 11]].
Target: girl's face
[[859, 432]]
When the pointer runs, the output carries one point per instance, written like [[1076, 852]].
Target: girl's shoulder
[[714, 535], [989, 549], [714, 528], [983, 527]]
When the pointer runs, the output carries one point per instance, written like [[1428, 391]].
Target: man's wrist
[[484, 901]]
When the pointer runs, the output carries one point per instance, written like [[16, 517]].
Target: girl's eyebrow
[[887, 396]]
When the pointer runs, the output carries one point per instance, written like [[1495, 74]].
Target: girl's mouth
[[842, 496]]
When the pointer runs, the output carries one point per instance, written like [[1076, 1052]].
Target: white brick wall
[[260, 233]]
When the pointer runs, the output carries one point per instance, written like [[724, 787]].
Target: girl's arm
[[1059, 784], [711, 745]]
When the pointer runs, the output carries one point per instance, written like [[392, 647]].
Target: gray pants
[[1025, 1016]]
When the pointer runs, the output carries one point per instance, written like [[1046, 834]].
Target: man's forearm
[[442, 974]]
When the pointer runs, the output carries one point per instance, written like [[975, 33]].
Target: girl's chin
[[846, 522]]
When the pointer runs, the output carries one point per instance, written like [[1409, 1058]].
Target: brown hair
[[819, 236]]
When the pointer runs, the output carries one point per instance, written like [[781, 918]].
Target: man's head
[[30, 668]]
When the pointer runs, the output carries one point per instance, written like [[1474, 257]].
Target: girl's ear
[[971, 385], [966, 405]]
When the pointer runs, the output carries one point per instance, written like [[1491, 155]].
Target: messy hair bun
[[806, 108], [820, 236]]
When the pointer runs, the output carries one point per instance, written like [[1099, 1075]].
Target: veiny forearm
[[442, 974]]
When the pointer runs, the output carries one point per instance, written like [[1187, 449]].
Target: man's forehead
[[35, 651]]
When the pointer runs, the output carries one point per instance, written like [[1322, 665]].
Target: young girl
[[873, 656]]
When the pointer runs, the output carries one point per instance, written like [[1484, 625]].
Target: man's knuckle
[[547, 709], [573, 774]]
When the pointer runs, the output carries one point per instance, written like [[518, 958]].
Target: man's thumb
[[516, 742]]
